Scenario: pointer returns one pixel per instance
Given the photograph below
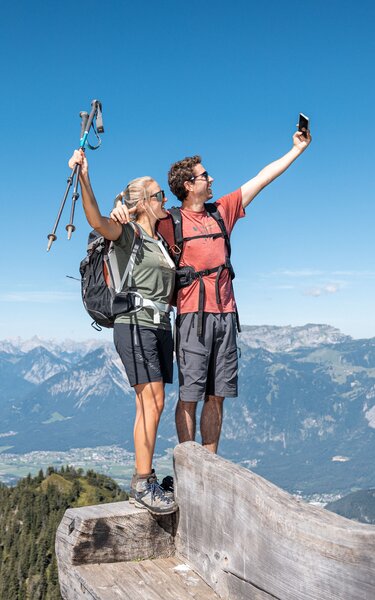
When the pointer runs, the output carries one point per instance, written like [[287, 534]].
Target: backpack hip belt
[[130, 302], [157, 307], [199, 275]]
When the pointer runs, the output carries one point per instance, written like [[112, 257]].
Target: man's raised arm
[[251, 188]]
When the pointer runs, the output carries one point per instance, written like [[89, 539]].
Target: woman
[[143, 339]]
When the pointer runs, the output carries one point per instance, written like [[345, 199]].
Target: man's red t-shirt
[[206, 253]]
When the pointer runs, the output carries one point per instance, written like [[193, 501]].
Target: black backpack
[[104, 294], [185, 276]]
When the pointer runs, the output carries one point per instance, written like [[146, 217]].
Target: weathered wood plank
[[249, 539], [173, 580], [99, 584], [109, 533], [131, 581], [159, 579], [181, 574], [198, 589], [113, 532]]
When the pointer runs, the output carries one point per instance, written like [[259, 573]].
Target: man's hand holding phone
[[303, 124], [302, 137]]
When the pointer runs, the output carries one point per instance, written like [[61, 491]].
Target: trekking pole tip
[[51, 239], [70, 228]]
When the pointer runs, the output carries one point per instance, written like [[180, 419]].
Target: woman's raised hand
[[121, 213], [79, 157]]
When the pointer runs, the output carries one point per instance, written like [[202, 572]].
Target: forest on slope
[[30, 513]]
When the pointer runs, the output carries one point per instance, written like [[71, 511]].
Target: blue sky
[[226, 80]]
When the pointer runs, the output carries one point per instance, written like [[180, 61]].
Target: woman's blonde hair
[[135, 191]]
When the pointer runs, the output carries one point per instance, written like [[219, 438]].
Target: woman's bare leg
[[149, 406]]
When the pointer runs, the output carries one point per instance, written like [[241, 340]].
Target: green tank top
[[153, 276]]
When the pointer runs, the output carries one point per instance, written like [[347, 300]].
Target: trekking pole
[[76, 171], [86, 123], [52, 236]]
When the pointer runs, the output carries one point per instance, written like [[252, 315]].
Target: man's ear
[[188, 185]]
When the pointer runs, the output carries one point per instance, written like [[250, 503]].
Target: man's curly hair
[[180, 172]]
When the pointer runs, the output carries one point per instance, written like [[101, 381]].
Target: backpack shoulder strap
[[136, 245], [213, 211], [175, 213]]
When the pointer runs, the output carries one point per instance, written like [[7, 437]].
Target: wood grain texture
[[245, 537], [159, 579], [250, 540], [109, 533], [112, 533]]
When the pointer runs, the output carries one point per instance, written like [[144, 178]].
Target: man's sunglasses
[[159, 196], [205, 175]]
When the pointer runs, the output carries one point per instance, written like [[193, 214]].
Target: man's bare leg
[[186, 421], [211, 422]]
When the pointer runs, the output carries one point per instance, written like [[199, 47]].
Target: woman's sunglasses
[[159, 196]]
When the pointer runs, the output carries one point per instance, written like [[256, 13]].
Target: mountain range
[[359, 506], [304, 418]]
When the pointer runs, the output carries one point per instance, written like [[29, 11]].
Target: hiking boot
[[149, 494], [133, 485], [167, 485]]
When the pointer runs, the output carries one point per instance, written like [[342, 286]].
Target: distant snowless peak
[[18, 344], [278, 338], [274, 338]]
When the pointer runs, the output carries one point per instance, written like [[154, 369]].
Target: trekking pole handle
[[90, 118], [84, 116]]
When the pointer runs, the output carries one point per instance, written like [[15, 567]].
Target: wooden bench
[[236, 536], [114, 551]]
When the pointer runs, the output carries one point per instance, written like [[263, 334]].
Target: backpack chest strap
[[214, 236]]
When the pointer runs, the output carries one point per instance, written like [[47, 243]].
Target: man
[[206, 308]]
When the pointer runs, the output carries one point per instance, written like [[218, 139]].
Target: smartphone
[[303, 124]]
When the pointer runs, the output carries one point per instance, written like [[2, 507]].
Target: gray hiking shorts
[[207, 365]]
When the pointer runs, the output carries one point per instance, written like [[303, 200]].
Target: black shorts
[[146, 353]]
